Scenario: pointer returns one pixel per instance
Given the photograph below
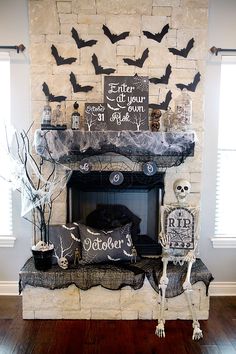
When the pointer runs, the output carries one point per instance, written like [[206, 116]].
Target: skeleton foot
[[160, 329], [197, 332]]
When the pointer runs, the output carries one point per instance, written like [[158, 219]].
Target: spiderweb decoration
[[166, 149]]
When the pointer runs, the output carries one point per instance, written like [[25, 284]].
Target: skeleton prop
[[179, 238]]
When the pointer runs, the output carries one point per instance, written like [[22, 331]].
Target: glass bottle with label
[[183, 109], [46, 114], [75, 117], [169, 121]]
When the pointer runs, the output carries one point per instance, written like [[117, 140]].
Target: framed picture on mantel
[[95, 116], [127, 102]]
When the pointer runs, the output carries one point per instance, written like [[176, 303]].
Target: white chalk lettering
[[135, 99], [100, 245], [117, 88], [100, 109], [138, 109]]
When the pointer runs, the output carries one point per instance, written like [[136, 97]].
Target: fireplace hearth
[[141, 194]]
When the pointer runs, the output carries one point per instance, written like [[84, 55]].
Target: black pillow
[[107, 217], [105, 246], [65, 239]]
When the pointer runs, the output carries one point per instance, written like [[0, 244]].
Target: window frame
[[220, 240], [8, 240]]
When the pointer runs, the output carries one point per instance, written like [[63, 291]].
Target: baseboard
[[222, 289], [216, 288], [9, 288]]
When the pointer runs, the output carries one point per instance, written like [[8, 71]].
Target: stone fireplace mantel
[[166, 148]]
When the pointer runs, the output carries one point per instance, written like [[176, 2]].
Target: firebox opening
[[141, 194]]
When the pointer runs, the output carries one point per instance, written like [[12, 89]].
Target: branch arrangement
[[40, 182]]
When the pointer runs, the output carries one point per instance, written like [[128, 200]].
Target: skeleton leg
[[160, 328], [197, 333]]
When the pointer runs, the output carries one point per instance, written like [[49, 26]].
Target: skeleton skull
[[39, 246], [63, 262], [182, 189]]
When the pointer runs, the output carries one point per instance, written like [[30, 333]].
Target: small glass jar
[[58, 116], [169, 121], [46, 114], [183, 109]]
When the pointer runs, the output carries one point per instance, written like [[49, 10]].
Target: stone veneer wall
[[51, 22]]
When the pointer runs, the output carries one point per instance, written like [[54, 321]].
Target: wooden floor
[[115, 337]]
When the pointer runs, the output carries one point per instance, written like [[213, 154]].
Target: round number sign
[[116, 178]]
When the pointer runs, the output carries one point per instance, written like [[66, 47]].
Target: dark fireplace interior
[[91, 196]]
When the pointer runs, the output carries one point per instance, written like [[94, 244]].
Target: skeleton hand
[[160, 329], [197, 332], [164, 240], [190, 256]]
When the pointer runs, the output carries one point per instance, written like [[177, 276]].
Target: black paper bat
[[138, 62], [80, 42], [192, 86], [163, 79], [60, 60], [50, 96], [183, 52], [163, 105], [78, 87], [114, 37], [99, 69], [157, 36]]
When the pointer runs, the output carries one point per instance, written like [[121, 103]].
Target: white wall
[[14, 30], [222, 34]]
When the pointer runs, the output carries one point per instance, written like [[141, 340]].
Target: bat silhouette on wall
[[99, 69], [164, 104], [77, 87], [163, 79], [192, 86], [157, 36], [114, 37], [50, 96], [183, 52], [80, 42], [138, 62], [59, 59]]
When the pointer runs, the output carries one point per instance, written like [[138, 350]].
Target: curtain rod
[[215, 50], [18, 48]]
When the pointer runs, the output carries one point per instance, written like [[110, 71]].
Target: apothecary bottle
[[169, 121], [47, 113], [183, 110], [75, 117]]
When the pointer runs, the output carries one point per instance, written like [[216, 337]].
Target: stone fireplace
[[51, 22]]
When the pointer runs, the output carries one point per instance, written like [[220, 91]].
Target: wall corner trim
[[216, 288], [222, 289], [9, 288]]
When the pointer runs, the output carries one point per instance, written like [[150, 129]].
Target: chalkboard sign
[[95, 116], [127, 102]]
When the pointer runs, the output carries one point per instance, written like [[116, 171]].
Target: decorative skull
[[182, 189], [40, 246], [63, 262]]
